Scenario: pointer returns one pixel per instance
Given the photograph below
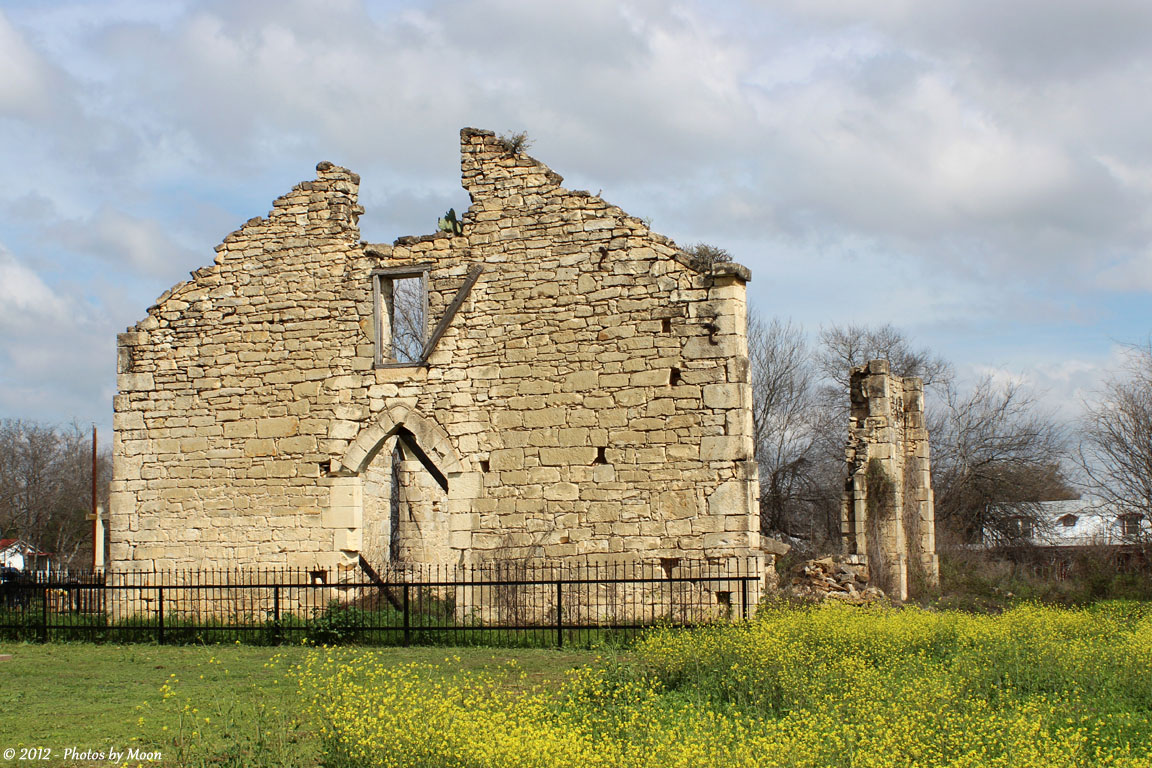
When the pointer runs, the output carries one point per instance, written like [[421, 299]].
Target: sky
[[974, 172]]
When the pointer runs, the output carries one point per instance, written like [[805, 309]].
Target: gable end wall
[[589, 400]]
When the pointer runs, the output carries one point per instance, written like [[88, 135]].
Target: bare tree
[[46, 485], [844, 347], [799, 473], [1116, 437], [782, 408], [408, 319], [995, 456]]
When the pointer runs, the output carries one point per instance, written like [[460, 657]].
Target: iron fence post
[[744, 598], [44, 616], [559, 613], [276, 614], [407, 637], [160, 615]]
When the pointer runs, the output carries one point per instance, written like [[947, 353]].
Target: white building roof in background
[[1087, 522]]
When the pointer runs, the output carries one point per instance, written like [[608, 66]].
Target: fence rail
[[493, 604]]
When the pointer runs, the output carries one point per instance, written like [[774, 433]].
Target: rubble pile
[[843, 578]]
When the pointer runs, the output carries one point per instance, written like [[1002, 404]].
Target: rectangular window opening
[[1130, 525], [401, 316], [1022, 527]]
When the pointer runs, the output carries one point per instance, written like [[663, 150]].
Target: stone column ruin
[[887, 513]]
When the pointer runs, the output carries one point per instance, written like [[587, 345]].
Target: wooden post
[[97, 528]]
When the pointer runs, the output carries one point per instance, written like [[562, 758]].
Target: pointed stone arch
[[433, 440], [433, 447]]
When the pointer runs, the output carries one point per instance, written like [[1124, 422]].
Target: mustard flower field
[[818, 687]]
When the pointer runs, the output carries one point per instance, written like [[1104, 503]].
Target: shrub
[[515, 143], [335, 625], [705, 257]]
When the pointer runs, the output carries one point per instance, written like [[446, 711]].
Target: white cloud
[[139, 244], [56, 352], [26, 80], [1030, 41], [25, 299], [1002, 378]]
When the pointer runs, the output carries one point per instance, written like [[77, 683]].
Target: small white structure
[[1083, 523], [17, 553]]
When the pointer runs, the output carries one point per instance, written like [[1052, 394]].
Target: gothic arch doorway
[[414, 489]]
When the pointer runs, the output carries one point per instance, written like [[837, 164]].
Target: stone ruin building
[[887, 517], [547, 379]]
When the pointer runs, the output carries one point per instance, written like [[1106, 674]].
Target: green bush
[[338, 624]]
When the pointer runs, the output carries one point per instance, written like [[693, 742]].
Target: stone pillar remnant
[[887, 512]]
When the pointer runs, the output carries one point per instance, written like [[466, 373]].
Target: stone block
[[729, 498], [465, 486], [192, 444], [567, 456], [676, 504], [570, 437], [701, 348], [298, 444], [506, 458], [614, 417], [278, 427], [239, 429], [550, 417], [544, 475], [464, 522], [135, 382], [724, 540], [581, 381], [658, 378], [257, 447], [351, 540], [722, 448], [723, 396], [128, 420], [561, 492], [343, 430], [631, 397]]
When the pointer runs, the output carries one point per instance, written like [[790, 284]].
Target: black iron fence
[[491, 604]]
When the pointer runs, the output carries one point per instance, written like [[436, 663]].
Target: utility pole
[[97, 522]]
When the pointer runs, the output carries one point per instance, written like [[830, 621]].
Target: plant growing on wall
[[705, 257], [449, 223], [515, 143]]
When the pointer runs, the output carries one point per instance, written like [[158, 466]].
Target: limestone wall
[[588, 399], [887, 513]]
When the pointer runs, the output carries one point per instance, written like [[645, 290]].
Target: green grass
[[336, 624], [808, 688], [93, 697]]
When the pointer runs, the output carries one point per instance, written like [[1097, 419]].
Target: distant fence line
[[488, 604]]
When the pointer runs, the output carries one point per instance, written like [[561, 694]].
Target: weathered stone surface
[[588, 374], [895, 528]]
